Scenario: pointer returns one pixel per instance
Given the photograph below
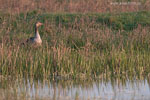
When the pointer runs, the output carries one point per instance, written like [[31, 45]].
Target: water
[[76, 89]]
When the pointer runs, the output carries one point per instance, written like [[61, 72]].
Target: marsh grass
[[76, 45]]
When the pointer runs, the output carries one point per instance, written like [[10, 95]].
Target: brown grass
[[73, 6]]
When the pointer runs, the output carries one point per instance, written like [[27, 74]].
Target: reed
[[76, 45]]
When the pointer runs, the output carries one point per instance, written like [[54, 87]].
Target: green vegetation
[[76, 45]]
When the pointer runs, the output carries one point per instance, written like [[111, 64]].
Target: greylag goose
[[36, 40]]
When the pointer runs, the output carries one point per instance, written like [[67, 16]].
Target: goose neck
[[37, 35]]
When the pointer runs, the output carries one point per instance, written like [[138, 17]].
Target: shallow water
[[76, 89]]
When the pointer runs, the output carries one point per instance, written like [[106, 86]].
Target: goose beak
[[41, 23], [38, 24]]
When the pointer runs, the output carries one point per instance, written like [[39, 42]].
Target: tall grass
[[76, 45]]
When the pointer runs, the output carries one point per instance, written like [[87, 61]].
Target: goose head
[[38, 24]]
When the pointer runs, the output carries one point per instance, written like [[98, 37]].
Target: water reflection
[[62, 89]]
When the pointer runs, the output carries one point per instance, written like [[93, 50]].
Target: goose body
[[36, 39]]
